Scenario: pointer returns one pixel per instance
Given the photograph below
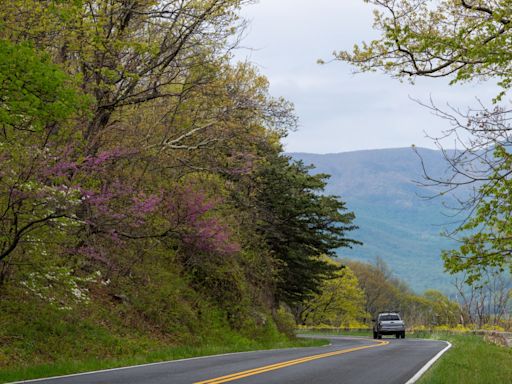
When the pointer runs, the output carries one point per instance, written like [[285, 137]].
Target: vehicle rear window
[[389, 317]]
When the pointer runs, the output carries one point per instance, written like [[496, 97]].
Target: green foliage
[[35, 92], [285, 322], [340, 302], [466, 39], [488, 245], [39, 106], [384, 292], [446, 311], [167, 214], [38, 340], [299, 225]]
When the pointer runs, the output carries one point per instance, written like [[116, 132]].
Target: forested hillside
[[145, 200], [397, 221]]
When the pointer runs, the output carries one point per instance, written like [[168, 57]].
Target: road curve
[[348, 360]]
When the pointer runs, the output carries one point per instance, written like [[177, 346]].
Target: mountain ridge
[[395, 223]]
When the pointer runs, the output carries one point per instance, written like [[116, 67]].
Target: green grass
[[471, 360], [40, 340], [69, 365]]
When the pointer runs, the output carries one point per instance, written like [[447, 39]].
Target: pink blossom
[[61, 168], [146, 204]]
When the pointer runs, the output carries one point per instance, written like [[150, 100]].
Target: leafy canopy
[[465, 39], [34, 91], [300, 224]]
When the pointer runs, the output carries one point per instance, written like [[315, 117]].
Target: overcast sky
[[340, 111]]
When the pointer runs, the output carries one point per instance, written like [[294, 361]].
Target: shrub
[[285, 322]]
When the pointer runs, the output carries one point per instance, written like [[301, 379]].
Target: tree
[[485, 303], [299, 224], [38, 104], [384, 292], [125, 53], [462, 40], [381, 290], [134, 151], [339, 303], [443, 311]]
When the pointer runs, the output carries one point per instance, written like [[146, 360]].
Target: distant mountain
[[396, 222]]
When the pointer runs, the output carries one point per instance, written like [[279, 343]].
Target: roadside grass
[[471, 360], [68, 365], [40, 340]]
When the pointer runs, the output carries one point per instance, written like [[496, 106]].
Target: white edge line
[[156, 363], [424, 369]]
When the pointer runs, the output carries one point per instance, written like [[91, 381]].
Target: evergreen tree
[[300, 224]]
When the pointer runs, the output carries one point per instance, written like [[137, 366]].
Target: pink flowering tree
[[58, 197], [119, 215]]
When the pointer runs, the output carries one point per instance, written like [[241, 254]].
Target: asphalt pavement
[[348, 360]]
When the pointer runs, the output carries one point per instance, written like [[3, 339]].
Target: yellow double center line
[[272, 367]]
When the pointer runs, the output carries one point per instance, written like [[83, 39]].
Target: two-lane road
[[347, 360]]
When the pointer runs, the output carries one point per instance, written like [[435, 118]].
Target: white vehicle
[[388, 323]]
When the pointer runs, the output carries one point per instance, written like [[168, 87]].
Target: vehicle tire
[[374, 334], [379, 336], [398, 335], [403, 335]]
